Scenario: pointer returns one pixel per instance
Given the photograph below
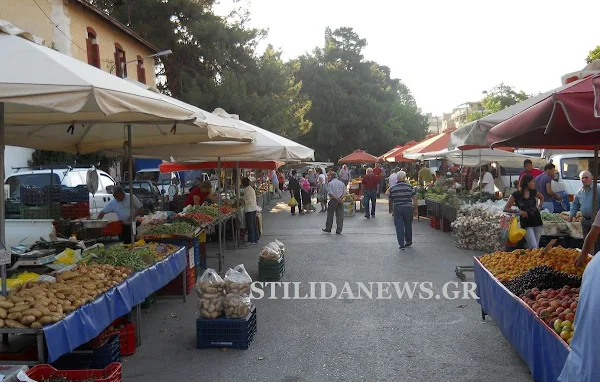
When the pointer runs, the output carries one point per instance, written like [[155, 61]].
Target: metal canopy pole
[[237, 193], [2, 199], [221, 255], [131, 195], [595, 190]]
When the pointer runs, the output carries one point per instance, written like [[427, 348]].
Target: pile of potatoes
[[210, 298], [35, 304]]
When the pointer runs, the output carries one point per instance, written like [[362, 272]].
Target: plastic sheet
[[85, 323], [540, 347]]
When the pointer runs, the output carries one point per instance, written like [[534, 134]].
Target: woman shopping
[[250, 208], [529, 202], [306, 194]]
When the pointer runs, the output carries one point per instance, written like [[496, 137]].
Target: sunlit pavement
[[339, 339]]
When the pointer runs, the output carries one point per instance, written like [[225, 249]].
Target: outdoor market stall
[[82, 109], [354, 186], [564, 118]]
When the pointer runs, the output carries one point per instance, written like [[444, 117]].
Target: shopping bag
[[515, 232], [292, 202], [271, 188]]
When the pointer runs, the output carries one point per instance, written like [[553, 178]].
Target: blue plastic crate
[[223, 332], [91, 358]]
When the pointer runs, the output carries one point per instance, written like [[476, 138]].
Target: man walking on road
[[370, 186], [404, 199], [336, 190]]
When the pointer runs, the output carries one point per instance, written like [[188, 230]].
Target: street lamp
[[159, 54]]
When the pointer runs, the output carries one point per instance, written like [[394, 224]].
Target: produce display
[[578, 217], [478, 227], [206, 210], [174, 229], [210, 290], [508, 265], [140, 258], [195, 218], [550, 217], [541, 277], [557, 307], [36, 304]]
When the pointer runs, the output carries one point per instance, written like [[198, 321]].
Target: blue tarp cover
[[539, 346], [85, 323]]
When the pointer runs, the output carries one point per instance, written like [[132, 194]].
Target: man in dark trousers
[[336, 190], [294, 187]]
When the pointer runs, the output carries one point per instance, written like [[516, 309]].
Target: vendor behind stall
[[200, 193], [120, 205]]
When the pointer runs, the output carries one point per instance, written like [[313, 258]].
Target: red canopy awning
[[383, 157], [358, 156], [190, 166], [398, 156], [567, 119], [436, 143]]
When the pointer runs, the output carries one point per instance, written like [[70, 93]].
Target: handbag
[[293, 202]]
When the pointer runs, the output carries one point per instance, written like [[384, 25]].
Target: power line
[[56, 26]]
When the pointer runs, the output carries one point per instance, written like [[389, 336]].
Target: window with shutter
[[120, 60], [92, 47], [141, 71]]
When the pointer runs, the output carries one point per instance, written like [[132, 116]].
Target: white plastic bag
[[274, 247], [237, 306], [210, 290], [280, 245], [237, 281], [269, 253]]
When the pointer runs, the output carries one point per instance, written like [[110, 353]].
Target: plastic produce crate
[[235, 333], [175, 286], [41, 212], [111, 373], [75, 210], [435, 222], [28, 353], [52, 193], [31, 196], [126, 337], [445, 224], [12, 206], [113, 229], [271, 270], [91, 358]]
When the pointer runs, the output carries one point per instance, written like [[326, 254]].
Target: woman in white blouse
[[250, 208]]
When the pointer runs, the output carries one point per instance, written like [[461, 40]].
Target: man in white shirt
[[336, 191], [487, 182], [120, 205], [250, 209], [393, 179]]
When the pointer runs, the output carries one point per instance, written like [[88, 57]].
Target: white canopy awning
[[480, 157], [266, 146], [55, 102]]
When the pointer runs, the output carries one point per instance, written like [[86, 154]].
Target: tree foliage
[[355, 103], [593, 55], [41, 158], [500, 97]]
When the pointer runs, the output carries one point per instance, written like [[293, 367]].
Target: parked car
[[68, 177], [148, 193]]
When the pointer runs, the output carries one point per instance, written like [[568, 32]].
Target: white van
[[68, 177], [569, 166]]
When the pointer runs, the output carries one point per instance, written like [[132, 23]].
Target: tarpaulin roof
[[358, 156], [435, 143], [190, 166], [564, 119], [398, 156]]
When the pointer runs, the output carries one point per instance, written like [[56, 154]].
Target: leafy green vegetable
[[171, 229], [123, 257]]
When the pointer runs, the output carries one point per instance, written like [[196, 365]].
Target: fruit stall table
[[539, 346], [89, 320]]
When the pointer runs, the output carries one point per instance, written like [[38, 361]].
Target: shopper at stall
[[392, 180], [200, 194], [528, 169], [275, 183], [121, 205], [582, 362], [344, 175], [305, 192], [440, 181], [379, 174], [294, 188], [526, 199], [584, 202], [404, 200], [336, 191], [370, 189], [322, 191], [543, 184], [281, 179], [424, 175], [250, 209]]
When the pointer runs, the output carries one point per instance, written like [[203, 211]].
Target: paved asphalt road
[[339, 339]]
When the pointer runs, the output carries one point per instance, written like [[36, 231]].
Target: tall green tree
[[593, 55], [500, 97], [355, 102]]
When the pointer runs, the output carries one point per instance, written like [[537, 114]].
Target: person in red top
[[200, 193], [378, 172], [370, 188], [528, 165]]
